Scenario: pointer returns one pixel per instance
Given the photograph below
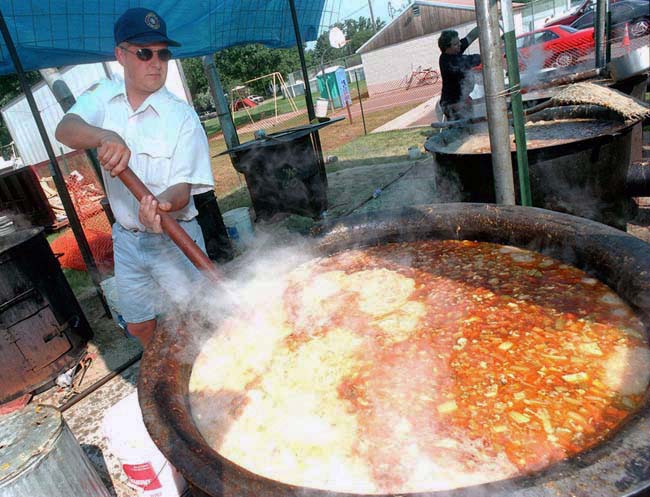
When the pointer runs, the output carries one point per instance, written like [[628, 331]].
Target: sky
[[339, 10]]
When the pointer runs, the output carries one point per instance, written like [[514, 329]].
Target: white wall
[[384, 68], [21, 123]]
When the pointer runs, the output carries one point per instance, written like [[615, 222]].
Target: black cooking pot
[[618, 466], [585, 176]]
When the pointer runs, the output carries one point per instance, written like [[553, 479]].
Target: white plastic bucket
[[147, 470], [322, 104], [414, 152], [239, 227]]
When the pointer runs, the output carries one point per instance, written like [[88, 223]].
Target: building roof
[[424, 17]]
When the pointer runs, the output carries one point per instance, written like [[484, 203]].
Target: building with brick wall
[[410, 41]]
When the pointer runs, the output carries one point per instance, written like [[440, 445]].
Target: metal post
[[223, 111], [186, 88], [608, 31], [516, 101], [532, 14], [54, 166], [363, 115], [308, 98], [356, 80], [599, 28], [487, 17], [66, 100]]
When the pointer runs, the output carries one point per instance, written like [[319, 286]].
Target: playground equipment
[[240, 100]]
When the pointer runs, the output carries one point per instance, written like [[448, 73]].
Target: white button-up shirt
[[168, 145]]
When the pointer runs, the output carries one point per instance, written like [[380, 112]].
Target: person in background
[[137, 122], [455, 69]]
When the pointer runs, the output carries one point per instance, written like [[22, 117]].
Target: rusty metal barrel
[[40, 457], [43, 330]]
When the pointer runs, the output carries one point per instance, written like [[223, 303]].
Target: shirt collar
[[156, 101]]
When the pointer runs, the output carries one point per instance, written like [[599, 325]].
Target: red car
[[554, 46]]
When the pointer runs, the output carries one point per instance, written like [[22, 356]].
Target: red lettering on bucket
[[142, 475]]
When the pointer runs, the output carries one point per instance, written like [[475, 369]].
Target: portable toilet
[[333, 85]]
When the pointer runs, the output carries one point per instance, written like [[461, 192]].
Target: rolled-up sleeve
[[191, 157]]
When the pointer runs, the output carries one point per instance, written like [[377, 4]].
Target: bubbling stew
[[420, 366]]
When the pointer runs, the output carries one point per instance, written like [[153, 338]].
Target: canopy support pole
[[487, 17], [64, 96], [223, 110], [601, 48], [308, 97], [59, 182], [516, 102]]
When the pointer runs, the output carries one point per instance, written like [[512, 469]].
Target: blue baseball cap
[[141, 27]]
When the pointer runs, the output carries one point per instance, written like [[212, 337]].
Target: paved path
[[391, 99]]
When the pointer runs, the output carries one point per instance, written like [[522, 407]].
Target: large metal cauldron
[[619, 466], [585, 177]]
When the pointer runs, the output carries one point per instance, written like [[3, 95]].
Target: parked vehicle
[[256, 98], [634, 13], [554, 46], [572, 15]]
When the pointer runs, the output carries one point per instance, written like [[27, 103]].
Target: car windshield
[[568, 29]]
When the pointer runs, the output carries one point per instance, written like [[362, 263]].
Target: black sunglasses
[[145, 54]]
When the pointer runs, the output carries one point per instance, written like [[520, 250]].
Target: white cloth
[[168, 145]]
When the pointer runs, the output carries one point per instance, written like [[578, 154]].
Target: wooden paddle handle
[[171, 227]]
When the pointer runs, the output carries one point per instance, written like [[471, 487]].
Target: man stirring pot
[[138, 123]]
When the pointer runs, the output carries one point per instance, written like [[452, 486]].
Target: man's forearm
[[76, 133], [177, 195], [472, 35]]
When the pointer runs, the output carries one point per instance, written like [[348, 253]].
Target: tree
[[357, 32], [195, 76], [237, 65], [10, 89]]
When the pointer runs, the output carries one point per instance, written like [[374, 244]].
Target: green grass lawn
[[79, 281], [375, 148]]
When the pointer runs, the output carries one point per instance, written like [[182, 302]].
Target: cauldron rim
[[163, 382], [619, 126]]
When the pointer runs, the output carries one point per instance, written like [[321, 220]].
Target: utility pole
[[372, 17]]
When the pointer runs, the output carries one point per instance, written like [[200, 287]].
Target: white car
[[256, 98]]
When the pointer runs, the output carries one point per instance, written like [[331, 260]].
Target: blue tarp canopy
[[54, 33]]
